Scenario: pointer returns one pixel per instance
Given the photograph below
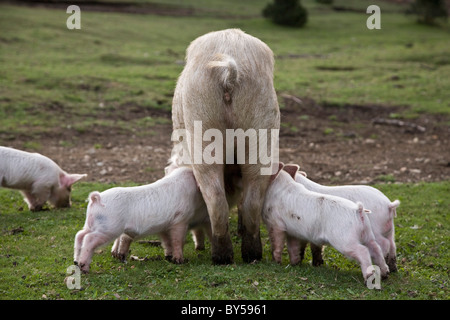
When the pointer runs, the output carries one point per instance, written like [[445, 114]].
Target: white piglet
[[293, 211], [167, 207], [39, 178], [381, 218]]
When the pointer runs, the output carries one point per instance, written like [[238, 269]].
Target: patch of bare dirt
[[363, 144], [333, 144]]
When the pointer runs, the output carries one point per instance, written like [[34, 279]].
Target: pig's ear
[[280, 167], [66, 180], [303, 173], [292, 169]]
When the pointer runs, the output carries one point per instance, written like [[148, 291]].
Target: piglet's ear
[[66, 180], [292, 169], [280, 167]]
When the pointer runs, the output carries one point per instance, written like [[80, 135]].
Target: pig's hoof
[[177, 260], [222, 260], [222, 250], [121, 257], [276, 261], [200, 247], [84, 268], [317, 262], [75, 263], [294, 262], [392, 264], [168, 258], [251, 249], [393, 268]]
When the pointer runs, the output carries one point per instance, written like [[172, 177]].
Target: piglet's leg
[[359, 253], [294, 247], [35, 200], [316, 252], [115, 248], [392, 256], [378, 259], [199, 238], [277, 237], [199, 233], [91, 241], [301, 249], [177, 237], [78, 244], [167, 245], [121, 247]]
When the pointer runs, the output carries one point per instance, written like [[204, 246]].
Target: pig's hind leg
[[211, 182], [358, 252], [391, 258], [198, 235], [121, 247], [177, 237], [377, 256], [294, 247], [167, 245], [255, 186], [277, 237], [316, 251]]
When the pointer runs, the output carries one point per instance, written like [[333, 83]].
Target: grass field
[[52, 78], [37, 248]]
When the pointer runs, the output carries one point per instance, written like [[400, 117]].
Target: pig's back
[[20, 169], [153, 208]]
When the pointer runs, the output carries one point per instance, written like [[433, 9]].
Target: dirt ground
[[334, 145]]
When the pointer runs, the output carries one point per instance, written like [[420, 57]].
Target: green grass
[[34, 259]]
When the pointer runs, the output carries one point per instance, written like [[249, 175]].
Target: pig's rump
[[228, 82]]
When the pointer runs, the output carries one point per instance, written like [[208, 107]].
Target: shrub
[[325, 1], [429, 10], [286, 12]]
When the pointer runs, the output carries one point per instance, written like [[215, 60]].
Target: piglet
[[37, 177], [167, 207], [381, 218], [293, 211]]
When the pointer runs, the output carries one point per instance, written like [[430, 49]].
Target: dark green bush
[[325, 1], [286, 12], [429, 10]]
